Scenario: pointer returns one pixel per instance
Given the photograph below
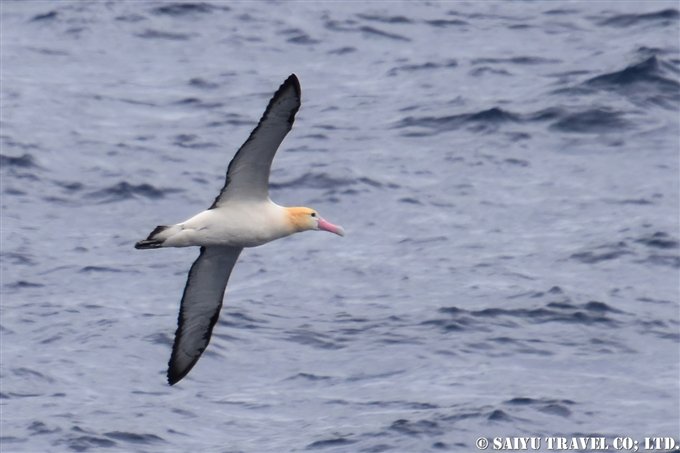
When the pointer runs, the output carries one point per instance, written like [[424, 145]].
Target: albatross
[[241, 216]]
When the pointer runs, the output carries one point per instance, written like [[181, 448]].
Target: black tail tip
[[150, 242], [147, 244]]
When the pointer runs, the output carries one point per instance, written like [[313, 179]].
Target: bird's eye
[[313, 214]]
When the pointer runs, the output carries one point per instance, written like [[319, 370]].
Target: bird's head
[[303, 219]]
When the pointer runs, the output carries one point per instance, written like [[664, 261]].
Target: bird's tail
[[153, 241]]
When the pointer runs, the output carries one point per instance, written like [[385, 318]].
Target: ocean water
[[507, 174]]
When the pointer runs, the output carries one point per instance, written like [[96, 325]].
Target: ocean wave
[[422, 67], [648, 72], [647, 248], [421, 427], [521, 60], [309, 377], [88, 269], [483, 120], [79, 439], [187, 9], [659, 240], [20, 284], [23, 161], [385, 19], [328, 443], [124, 191], [159, 34], [590, 313], [324, 181], [133, 438], [16, 258], [351, 26], [313, 339], [446, 22], [545, 405], [343, 50], [662, 18], [198, 82], [51, 15], [596, 120], [239, 320], [372, 31], [198, 103], [190, 141], [298, 36], [484, 70], [662, 260], [602, 253]]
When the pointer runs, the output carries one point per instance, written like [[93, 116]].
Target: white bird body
[[241, 216], [235, 224]]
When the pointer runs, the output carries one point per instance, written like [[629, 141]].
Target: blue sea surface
[[507, 174]]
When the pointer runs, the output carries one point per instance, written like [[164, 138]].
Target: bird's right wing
[[200, 308]]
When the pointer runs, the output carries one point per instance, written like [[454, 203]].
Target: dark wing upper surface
[[248, 172], [200, 308]]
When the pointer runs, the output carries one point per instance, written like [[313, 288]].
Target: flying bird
[[241, 216]]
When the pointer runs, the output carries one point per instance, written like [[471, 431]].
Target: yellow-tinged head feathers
[[302, 219]]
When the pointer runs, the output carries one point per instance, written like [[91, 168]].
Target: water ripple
[[664, 17], [125, 191], [188, 9], [23, 161]]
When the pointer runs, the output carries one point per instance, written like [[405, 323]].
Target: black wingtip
[[292, 80], [173, 377], [176, 374]]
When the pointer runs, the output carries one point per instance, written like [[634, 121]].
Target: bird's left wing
[[200, 308], [248, 172]]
